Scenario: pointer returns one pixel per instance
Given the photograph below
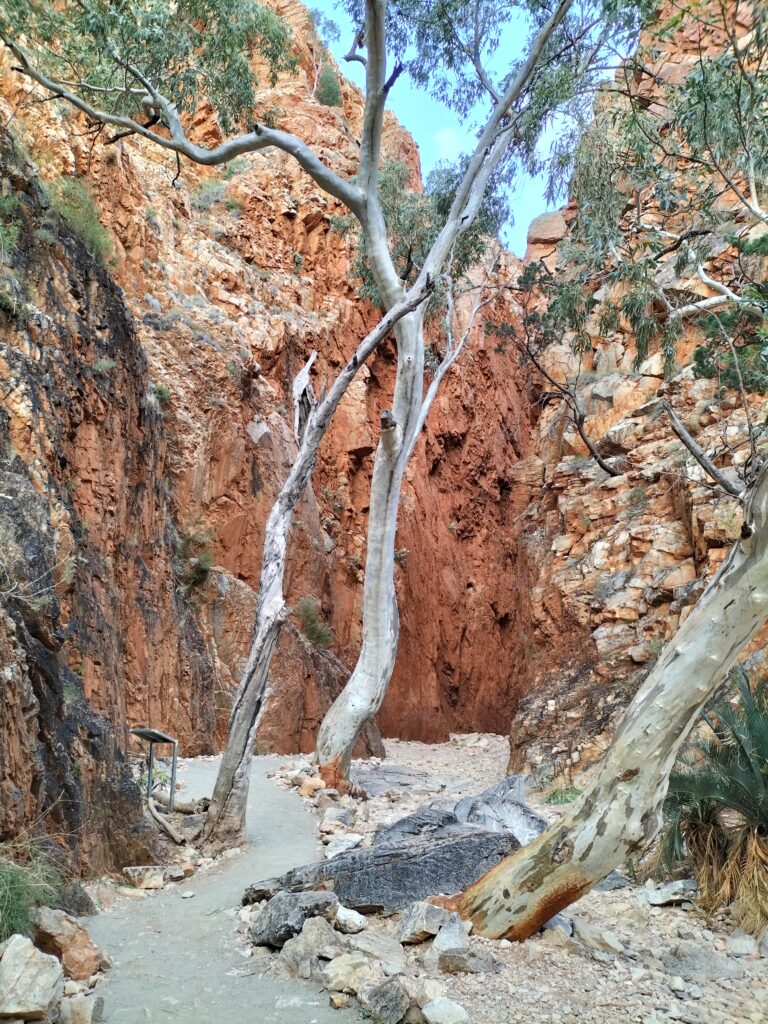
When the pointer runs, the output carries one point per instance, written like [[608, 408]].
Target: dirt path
[[175, 959]]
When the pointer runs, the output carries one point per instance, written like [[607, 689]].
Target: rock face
[[148, 416], [614, 564], [145, 429]]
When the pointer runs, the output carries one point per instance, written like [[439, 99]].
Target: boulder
[[342, 843], [82, 1010], [445, 1011], [467, 961], [679, 891], [742, 944], [311, 785], [349, 922], [383, 948], [301, 956], [285, 914], [146, 876], [31, 982], [452, 934], [420, 921], [57, 933], [603, 941], [387, 1002], [348, 973]]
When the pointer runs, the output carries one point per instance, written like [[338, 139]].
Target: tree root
[[163, 822]]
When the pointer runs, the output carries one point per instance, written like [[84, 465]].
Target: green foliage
[[328, 90], [716, 810], [562, 795], [28, 879], [10, 225], [312, 627], [105, 364], [414, 219], [210, 192], [201, 48], [161, 393], [736, 349], [198, 569], [72, 199], [196, 554]]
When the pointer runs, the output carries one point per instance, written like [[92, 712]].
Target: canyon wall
[[147, 426], [148, 412], [615, 563]]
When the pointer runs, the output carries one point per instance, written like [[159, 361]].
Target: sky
[[437, 130]]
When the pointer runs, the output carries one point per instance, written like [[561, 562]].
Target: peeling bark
[[620, 812]]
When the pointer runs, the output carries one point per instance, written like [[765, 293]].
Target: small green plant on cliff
[[72, 199], [196, 554], [312, 627], [28, 879], [562, 795], [10, 226], [328, 89], [105, 364]]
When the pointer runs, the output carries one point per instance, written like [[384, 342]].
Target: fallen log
[[389, 876]]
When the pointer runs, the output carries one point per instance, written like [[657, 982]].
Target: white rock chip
[[445, 1011], [349, 922]]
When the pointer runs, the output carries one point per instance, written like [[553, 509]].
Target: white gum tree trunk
[[363, 694], [226, 814], [620, 812]]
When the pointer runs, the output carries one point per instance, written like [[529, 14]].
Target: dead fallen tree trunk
[[390, 876], [427, 853]]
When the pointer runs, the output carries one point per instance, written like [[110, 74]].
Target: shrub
[[72, 199], [10, 225], [562, 795], [161, 393], [28, 879], [328, 89], [105, 364], [210, 192], [716, 811], [312, 627]]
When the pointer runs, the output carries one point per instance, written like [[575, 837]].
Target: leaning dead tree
[[141, 71]]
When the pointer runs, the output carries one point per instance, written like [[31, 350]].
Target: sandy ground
[[175, 959]]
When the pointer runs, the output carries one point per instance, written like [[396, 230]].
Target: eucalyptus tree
[[671, 221], [140, 69]]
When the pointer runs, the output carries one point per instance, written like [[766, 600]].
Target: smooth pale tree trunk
[[225, 821], [620, 813], [363, 694]]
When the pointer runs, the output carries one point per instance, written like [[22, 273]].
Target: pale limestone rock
[[420, 921], [31, 982], [146, 876], [445, 1011], [348, 973], [349, 922]]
